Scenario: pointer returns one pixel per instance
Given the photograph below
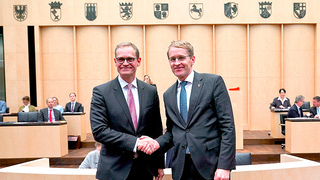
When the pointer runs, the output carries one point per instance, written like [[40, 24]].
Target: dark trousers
[[139, 171], [190, 171]]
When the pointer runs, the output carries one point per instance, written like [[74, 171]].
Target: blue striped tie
[[183, 102], [183, 105]]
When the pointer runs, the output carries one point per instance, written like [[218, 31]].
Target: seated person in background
[[73, 106], [3, 107], [296, 111], [315, 109], [148, 80], [92, 158], [282, 101], [26, 107], [56, 104], [49, 114]]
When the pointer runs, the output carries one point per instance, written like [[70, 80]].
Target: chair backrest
[[7, 110], [243, 159], [306, 105], [27, 116], [282, 121]]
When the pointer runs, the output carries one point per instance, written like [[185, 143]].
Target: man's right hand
[[147, 145]]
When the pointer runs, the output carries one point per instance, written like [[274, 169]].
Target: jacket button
[[187, 130]]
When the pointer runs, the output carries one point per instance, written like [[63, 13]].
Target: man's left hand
[[160, 174], [221, 174]]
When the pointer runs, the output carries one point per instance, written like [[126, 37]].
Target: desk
[[275, 121], [76, 124], [10, 117], [303, 135], [33, 139]]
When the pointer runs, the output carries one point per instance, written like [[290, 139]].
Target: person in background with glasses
[[200, 122], [50, 114], [26, 107], [124, 114]]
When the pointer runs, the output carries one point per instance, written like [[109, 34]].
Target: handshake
[[147, 145]]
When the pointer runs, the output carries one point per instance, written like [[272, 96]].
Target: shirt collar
[[279, 98], [123, 83], [27, 105], [189, 79]]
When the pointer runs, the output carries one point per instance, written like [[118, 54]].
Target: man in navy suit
[[295, 110], [73, 105], [200, 122], [49, 114], [315, 109], [124, 112]]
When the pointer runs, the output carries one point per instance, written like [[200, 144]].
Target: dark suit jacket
[[209, 132], [276, 103], [43, 115], [293, 112], [313, 111], [77, 108], [112, 126]]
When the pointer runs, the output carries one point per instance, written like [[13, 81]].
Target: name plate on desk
[[73, 113]]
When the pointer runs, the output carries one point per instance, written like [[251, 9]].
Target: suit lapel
[[197, 85], [142, 103], [172, 104], [117, 91]]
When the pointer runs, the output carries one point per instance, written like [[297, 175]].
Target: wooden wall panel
[[57, 69], [202, 44], [132, 34], [92, 62], [299, 60], [265, 57], [158, 39], [231, 64]]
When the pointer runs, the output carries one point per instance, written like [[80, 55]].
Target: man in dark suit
[[200, 121], [282, 101], [49, 114], [73, 105], [122, 111], [315, 109], [295, 110]]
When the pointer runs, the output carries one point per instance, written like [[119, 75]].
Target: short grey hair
[[299, 98], [123, 44]]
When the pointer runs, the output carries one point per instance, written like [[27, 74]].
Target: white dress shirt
[[188, 87], [26, 108], [134, 90], [52, 113]]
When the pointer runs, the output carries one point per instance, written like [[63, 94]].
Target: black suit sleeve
[[40, 116], [101, 128]]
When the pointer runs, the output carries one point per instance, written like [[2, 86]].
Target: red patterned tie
[[71, 107], [132, 107], [50, 115]]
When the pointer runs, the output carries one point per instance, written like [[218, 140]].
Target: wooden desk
[[10, 117], [76, 124], [275, 122], [275, 129], [33, 139], [303, 135]]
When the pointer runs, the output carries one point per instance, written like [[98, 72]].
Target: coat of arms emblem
[[90, 11], [126, 11], [265, 9], [299, 10], [231, 10], [55, 11], [196, 10], [20, 12], [161, 10]]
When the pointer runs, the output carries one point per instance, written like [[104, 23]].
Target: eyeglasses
[[180, 59], [121, 60]]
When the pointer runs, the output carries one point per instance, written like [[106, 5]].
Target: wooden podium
[[76, 124], [33, 139], [303, 135]]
